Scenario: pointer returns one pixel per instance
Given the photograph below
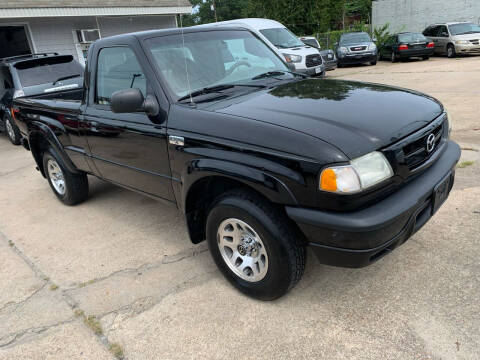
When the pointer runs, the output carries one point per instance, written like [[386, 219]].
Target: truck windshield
[[281, 38], [47, 70], [461, 29], [210, 58]]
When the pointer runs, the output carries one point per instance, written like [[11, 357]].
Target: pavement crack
[[17, 305], [11, 339], [167, 259]]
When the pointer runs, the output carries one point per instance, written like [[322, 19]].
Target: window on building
[[118, 69]]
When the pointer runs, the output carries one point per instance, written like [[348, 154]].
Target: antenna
[[185, 57]]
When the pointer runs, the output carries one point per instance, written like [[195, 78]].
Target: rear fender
[[41, 134]]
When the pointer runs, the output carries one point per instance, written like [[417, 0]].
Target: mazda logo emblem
[[430, 143]]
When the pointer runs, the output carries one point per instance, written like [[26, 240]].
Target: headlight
[[462, 42], [361, 174], [343, 49], [372, 47], [292, 58], [449, 122]]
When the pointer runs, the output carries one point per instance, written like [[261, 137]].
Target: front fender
[[267, 184], [38, 135]]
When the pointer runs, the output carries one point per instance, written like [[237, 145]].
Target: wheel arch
[[40, 138], [201, 190]]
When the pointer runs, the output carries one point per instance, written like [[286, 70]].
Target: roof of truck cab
[[142, 35]]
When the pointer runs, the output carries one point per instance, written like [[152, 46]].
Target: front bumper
[[357, 239], [467, 49], [351, 59], [313, 71]]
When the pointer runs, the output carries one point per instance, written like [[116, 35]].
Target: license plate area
[[318, 70], [441, 191]]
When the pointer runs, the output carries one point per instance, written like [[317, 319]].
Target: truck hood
[[300, 50], [355, 117]]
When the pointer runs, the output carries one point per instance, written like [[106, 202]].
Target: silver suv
[[455, 38]]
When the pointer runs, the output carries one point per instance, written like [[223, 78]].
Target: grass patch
[[464, 164], [79, 313], [116, 350], [92, 322], [83, 284], [53, 287]]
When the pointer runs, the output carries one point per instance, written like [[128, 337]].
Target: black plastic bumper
[[357, 239], [357, 59]]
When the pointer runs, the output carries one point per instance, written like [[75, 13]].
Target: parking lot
[[118, 274]]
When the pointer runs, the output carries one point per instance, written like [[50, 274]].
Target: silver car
[[455, 38]]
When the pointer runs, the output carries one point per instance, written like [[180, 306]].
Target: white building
[[68, 26], [416, 15]]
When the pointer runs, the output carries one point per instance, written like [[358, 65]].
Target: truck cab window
[[118, 69]]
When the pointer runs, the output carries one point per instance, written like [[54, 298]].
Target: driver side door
[[127, 149]]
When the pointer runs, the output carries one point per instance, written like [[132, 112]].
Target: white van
[[306, 59]]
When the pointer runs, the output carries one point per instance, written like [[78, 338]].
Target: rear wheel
[[373, 63], [12, 130], [254, 246], [426, 57], [393, 58], [451, 51], [70, 188]]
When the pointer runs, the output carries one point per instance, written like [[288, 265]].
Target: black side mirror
[[132, 100]]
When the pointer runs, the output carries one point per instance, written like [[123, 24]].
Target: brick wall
[[416, 15]]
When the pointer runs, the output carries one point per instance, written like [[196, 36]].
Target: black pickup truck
[[263, 162]]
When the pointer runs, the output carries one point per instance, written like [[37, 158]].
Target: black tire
[[451, 53], [393, 57], [12, 130], [284, 246], [426, 58], [75, 185], [373, 63]]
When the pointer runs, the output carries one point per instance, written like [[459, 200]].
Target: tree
[[204, 11], [303, 17]]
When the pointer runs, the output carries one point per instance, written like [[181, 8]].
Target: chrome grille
[[416, 153], [475, 42], [358, 48], [313, 60]]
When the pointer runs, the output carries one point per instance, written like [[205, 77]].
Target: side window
[[442, 31], [6, 83], [118, 69]]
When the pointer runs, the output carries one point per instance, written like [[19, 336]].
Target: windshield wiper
[[217, 88], [66, 78]]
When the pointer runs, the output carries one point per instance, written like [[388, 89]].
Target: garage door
[[13, 41]]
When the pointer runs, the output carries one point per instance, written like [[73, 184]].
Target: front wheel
[[373, 63], [426, 57], [70, 188], [451, 53], [254, 246], [13, 132]]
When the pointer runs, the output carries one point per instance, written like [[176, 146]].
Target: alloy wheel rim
[[56, 176], [10, 131], [242, 249]]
